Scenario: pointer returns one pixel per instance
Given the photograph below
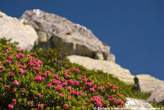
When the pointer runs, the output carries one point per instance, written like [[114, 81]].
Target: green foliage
[[99, 77], [43, 79]]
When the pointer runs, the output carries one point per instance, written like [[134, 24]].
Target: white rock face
[[12, 28], [136, 104], [59, 32], [157, 95], [105, 66], [149, 83]]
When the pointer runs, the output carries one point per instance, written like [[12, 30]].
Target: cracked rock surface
[[58, 32]]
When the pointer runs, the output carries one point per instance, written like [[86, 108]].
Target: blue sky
[[133, 28]]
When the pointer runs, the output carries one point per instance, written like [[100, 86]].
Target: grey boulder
[[58, 32]]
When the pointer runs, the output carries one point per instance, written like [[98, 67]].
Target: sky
[[133, 28]]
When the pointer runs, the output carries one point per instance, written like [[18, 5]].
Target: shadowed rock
[[136, 86], [66, 35]]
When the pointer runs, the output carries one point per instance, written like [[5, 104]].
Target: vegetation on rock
[[30, 80]]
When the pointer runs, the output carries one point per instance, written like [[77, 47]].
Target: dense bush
[[27, 82], [54, 58]]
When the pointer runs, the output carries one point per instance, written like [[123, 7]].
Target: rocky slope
[[50, 30], [147, 82], [58, 32], [105, 66]]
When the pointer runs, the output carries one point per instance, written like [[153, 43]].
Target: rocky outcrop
[[12, 28], [58, 32], [105, 66], [157, 95], [136, 104], [147, 83]]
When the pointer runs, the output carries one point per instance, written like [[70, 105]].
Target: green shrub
[[45, 80], [100, 78]]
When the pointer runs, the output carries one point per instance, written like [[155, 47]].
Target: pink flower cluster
[[20, 55], [75, 92], [66, 106], [9, 59], [97, 101], [15, 82], [38, 78], [11, 105], [73, 82], [58, 83], [116, 101], [35, 63], [58, 87]]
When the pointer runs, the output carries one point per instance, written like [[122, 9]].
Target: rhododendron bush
[[26, 82]]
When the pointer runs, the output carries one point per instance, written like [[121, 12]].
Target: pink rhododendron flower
[[58, 87], [49, 85], [66, 75], [61, 94], [92, 89], [118, 102], [69, 88], [66, 106], [75, 92], [47, 73], [20, 55], [99, 104], [56, 76], [35, 63], [70, 81], [14, 101], [97, 101], [9, 59], [110, 98], [36, 68], [76, 83], [10, 107], [55, 81], [94, 86], [64, 83], [22, 71], [89, 83], [15, 82], [84, 79], [38, 107], [38, 78]]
